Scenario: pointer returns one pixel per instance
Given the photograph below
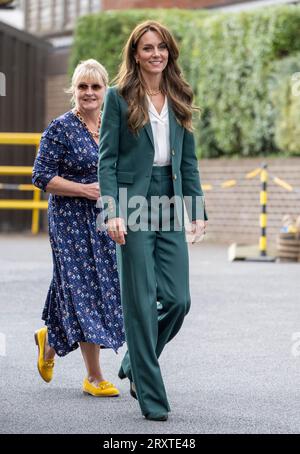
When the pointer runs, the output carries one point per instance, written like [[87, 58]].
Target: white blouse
[[161, 134]]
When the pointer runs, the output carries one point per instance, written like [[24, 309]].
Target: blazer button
[[173, 152], [174, 176]]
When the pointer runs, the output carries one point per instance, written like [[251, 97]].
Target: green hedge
[[103, 36], [229, 59], [285, 92]]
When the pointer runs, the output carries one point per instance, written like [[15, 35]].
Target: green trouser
[[153, 268]]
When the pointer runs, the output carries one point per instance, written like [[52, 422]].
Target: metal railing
[[36, 204]]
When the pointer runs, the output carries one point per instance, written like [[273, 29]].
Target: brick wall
[[234, 212]]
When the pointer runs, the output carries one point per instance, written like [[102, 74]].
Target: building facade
[[12, 13], [23, 60], [58, 17]]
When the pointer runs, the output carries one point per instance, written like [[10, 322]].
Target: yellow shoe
[[45, 368], [104, 389]]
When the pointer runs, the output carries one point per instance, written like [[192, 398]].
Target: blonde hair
[[87, 70]]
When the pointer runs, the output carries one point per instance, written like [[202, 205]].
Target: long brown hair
[[132, 86]]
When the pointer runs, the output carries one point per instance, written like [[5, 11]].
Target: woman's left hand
[[198, 230]]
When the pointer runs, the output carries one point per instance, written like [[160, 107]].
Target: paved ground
[[230, 370]]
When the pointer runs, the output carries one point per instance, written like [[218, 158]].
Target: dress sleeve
[[51, 151]]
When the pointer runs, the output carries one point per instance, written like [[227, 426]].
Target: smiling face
[[89, 94], [152, 53]]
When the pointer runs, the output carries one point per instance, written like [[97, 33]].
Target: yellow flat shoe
[[45, 368], [104, 389]]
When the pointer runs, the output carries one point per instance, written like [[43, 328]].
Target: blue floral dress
[[83, 302]]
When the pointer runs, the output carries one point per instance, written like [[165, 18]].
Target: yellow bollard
[[263, 216]]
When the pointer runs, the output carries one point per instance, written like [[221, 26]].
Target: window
[[48, 16]]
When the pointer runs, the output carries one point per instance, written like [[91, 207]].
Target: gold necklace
[[152, 93], [94, 134]]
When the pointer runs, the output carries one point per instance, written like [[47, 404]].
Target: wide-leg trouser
[[153, 268]]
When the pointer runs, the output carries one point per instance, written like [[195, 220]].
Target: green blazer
[[126, 159]]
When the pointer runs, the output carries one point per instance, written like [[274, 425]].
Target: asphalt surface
[[233, 368]]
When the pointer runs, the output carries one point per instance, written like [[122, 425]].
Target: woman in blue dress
[[83, 304]]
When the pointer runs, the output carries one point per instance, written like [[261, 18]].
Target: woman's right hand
[[91, 191], [116, 230]]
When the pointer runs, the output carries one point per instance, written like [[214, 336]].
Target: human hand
[[91, 191], [197, 230], [116, 230]]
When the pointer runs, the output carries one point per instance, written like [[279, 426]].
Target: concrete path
[[233, 368]]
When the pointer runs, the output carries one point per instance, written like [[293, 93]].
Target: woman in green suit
[[147, 160]]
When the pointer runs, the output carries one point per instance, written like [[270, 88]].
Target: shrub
[[228, 58]]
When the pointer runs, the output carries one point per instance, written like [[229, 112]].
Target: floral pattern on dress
[[83, 302]]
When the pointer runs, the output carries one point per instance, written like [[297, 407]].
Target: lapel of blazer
[[173, 127], [173, 124], [148, 129]]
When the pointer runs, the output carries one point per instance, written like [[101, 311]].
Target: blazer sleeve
[[108, 153], [191, 185]]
